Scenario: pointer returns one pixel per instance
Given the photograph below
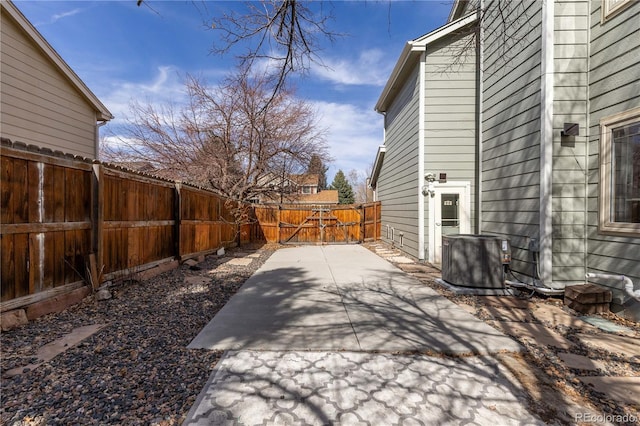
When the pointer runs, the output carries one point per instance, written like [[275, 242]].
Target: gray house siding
[[450, 139], [450, 108], [614, 87], [571, 26], [399, 172], [511, 134]]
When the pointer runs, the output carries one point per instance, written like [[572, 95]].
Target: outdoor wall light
[[428, 188], [570, 129]]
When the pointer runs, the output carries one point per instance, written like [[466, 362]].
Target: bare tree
[[289, 34], [506, 26], [286, 33], [235, 138], [358, 180]]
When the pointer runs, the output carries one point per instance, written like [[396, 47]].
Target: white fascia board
[[103, 114], [411, 53], [454, 9], [407, 56], [377, 165]]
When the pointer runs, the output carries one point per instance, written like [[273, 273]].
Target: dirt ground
[[555, 389]]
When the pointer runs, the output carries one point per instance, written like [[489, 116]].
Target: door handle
[[437, 223]]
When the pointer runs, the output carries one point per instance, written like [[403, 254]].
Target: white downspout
[[421, 137], [480, 115], [546, 144], [97, 138], [585, 252]]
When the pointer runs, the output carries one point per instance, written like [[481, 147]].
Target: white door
[[450, 208]]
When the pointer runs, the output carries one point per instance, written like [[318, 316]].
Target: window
[[611, 7], [620, 173]]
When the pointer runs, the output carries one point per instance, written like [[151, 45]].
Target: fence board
[[18, 183], [58, 258], [8, 266], [48, 261], [20, 261], [59, 193], [34, 211], [6, 190]]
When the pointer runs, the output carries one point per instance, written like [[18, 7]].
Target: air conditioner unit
[[475, 260]]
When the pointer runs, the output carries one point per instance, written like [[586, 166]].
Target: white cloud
[[118, 141], [58, 16], [354, 135], [166, 87], [371, 67]]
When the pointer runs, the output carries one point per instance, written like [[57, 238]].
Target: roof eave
[[377, 165], [457, 9], [407, 57], [410, 54]]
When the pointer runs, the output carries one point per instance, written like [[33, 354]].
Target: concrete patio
[[336, 334], [345, 298]]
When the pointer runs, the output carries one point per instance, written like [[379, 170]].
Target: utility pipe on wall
[[628, 284]]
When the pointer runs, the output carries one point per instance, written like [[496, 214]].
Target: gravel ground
[[136, 370]]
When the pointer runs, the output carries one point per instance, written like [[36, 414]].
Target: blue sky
[[124, 53]]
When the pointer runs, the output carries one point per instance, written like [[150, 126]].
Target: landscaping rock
[[13, 319], [134, 371], [103, 294]]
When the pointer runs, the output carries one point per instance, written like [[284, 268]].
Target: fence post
[[378, 223], [363, 225], [97, 219], [177, 216], [279, 224]]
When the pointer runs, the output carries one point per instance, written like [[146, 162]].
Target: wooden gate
[[319, 224]]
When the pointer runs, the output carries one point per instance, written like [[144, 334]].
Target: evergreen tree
[[345, 191], [317, 167]]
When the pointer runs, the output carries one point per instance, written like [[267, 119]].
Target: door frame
[[464, 189]]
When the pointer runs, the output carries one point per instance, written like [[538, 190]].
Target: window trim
[[607, 124], [608, 11]]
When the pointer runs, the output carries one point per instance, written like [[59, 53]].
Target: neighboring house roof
[[411, 54], [306, 179], [327, 196], [102, 113], [139, 166]]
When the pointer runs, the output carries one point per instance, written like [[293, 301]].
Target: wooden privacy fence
[[62, 215], [46, 227], [66, 221], [319, 224]]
